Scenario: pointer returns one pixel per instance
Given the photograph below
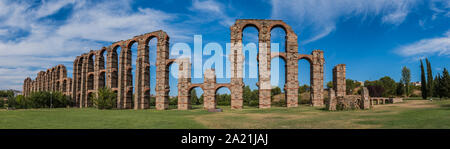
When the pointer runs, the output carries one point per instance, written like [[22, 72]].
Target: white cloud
[[321, 16], [438, 45], [213, 10], [89, 26]]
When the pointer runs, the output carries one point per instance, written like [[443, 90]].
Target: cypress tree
[[437, 83], [423, 81], [429, 79], [445, 84]]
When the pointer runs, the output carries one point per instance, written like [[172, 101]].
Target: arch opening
[[195, 95], [250, 42], [304, 80], [278, 80], [223, 96]]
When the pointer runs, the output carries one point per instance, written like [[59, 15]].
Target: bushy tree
[[223, 99], [375, 90], [45, 99], [6, 93], [275, 91], [350, 85], [250, 96], [330, 84], [388, 85], [303, 88], [105, 99]]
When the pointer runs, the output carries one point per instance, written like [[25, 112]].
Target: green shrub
[[105, 99], [173, 100], [254, 103], [45, 99]]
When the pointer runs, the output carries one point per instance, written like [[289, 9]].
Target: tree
[[105, 99], [437, 86], [445, 84], [194, 98], [389, 86], [276, 91], [350, 85], [423, 81], [400, 89], [429, 79], [375, 90], [330, 84], [406, 78]]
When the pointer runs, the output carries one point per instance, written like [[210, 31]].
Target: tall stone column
[[339, 83], [162, 72], [236, 58], [291, 86], [120, 80], [111, 67], [142, 77], [209, 85], [264, 57], [317, 78], [97, 71], [184, 81], [127, 79], [75, 81], [83, 90]]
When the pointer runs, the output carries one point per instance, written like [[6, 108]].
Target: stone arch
[[114, 62]]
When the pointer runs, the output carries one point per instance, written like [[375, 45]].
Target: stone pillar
[[127, 78], [75, 82], [291, 86], [209, 90], [142, 77], [162, 72], [97, 71], [264, 58], [339, 83], [184, 81], [236, 58], [331, 104], [317, 78], [83, 90], [112, 68], [120, 80]]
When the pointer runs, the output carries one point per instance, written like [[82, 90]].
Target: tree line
[[437, 87]]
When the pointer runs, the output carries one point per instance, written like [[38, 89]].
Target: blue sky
[[373, 38]]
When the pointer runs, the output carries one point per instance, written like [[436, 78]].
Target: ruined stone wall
[[54, 80]]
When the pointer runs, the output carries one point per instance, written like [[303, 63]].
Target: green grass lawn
[[410, 114]]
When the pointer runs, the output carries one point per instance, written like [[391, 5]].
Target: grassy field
[[410, 114]]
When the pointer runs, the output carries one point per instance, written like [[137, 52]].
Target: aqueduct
[[91, 72]]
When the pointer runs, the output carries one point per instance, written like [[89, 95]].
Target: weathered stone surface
[[331, 104], [339, 83], [365, 98]]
